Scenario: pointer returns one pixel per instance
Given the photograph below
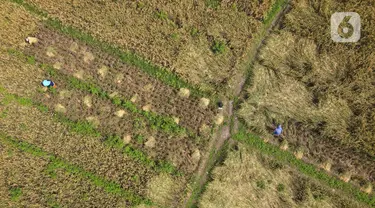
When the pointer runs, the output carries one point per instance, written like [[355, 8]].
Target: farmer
[[278, 131], [48, 83], [220, 105]]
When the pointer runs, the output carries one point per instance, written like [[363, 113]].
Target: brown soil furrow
[[102, 114], [126, 80]]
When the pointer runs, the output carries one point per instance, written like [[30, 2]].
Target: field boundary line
[[253, 141], [108, 186], [217, 152], [87, 129], [127, 57]]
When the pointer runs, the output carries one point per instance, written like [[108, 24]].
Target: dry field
[[24, 182], [322, 92], [202, 41], [135, 108], [109, 135], [249, 179]]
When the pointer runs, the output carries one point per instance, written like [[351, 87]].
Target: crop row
[[87, 128], [25, 183], [109, 73], [182, 47], [57, 163], [125, 56], [163, 123], [308, 169], [177, 146], [82, 150], [103, 111]]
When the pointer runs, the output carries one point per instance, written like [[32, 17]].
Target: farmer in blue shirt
[[278, 131], [48, 83]]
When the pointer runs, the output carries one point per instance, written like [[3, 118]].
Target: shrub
[[194, 31], [280, 187], [15, 193], [213, 3], [261, 184], [218, 47], [161, 15]]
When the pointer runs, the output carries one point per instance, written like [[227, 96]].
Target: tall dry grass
[[173, 34], [247, 179], [164, 190], [16, 24], [27, 173], [303, 77]]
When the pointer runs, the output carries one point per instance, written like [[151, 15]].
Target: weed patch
[[15, 193], [218, 47]]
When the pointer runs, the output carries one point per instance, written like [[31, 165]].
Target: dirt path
[[224, 133], [242, 80]]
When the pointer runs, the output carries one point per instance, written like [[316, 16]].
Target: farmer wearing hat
[[48, 83]]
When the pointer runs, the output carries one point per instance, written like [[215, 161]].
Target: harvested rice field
[[261, 181], [169, 104], [203, 42]]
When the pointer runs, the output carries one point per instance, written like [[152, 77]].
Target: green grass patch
[[275, 10], [3, 114], [280, 187], [218, 47], [161, 15], [214, 4], [308, 169], [261, 184], [15, 193]]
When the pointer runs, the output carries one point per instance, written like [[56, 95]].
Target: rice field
[[261, 181], [320, 91], [203, 42], [134, 119]]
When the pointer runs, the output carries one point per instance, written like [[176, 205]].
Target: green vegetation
[[278, 6], [162, 15], [194, 31], [218, 47], [280, 187], [15, 193], [214, 4], [3, 114], [261, 184], [108, 186]]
